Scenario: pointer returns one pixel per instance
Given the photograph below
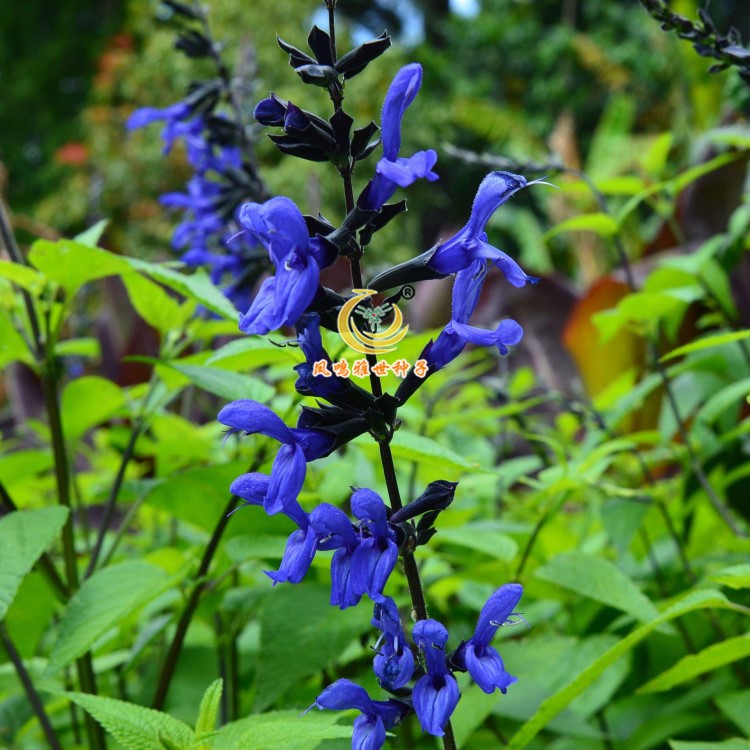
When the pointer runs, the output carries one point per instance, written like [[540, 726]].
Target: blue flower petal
[[434, 703], [251, 417]]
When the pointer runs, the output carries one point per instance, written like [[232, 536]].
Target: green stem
[[34, 700]]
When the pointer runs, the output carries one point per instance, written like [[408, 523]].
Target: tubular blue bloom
[[298, 447], [173, 118], [279, 225], [470, 243], [394, 661], [375, 557], [435, 696], [377, 716], [476, 655], [393, 171], [335, 531]]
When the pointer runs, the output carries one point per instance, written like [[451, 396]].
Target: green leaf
[[81, 347], [252, 352], [736, 576], [91, 236], [72, 264], [482, 536], [732, 744], [291, 647], [88, 401], [24, 535], [707, 343], [715, 656], [12, 346], [135, 727], [413, 447], [209, 708], [551, 707], [102, 602], [23, 276], [226, 384], [282, 730], [154, 305], [598, 579], [736, 706], [731, 396], [197, 287], [600, 223]]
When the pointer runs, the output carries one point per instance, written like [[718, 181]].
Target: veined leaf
[[715, 656], [24, 535], [551, 707], [226, 384], [154, 305], [102, 601], [72, 264], [135, 727], [413, 447], [209, 708], [598, 579]]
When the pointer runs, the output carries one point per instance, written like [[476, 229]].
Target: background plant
[[561, 494]]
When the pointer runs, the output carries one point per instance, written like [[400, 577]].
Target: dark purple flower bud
[[435, 696], [270, 111], [476, 655]]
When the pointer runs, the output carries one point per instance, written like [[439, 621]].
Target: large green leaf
[[154, 305], [426, 451], [292, 646], [24, 535], [551, 707], [87, 402], [735, 576], [73, 264], [226, 384], [102, 602], [715, 656], [736, 706], [135, 727], [599, 223], [707, 343], [197, 286], [598, 579], [283, 730], [23, 276]]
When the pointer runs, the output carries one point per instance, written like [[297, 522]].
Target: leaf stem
[[34, 699]]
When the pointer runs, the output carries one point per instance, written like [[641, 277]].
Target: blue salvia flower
[[335, 531], [377, 716], [470, 243], [280, 227], [393, 171], [299, 445], [394, 661], [435, 695], [173, 117], [375, 556], [476, 655]]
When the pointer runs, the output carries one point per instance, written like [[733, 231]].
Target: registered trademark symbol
[[407, 292]]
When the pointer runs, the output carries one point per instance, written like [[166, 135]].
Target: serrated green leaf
[[102, 602], [715, 656], [226, 384], [600, 223], [282, 730], [292, 647], [72, 264], [551, 707], [135, 727], [413, 447], [154, 305], [88, 401], [599, 579], [736, 576], [197, 287], [209, 707], [24, 535], [707, 343]]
